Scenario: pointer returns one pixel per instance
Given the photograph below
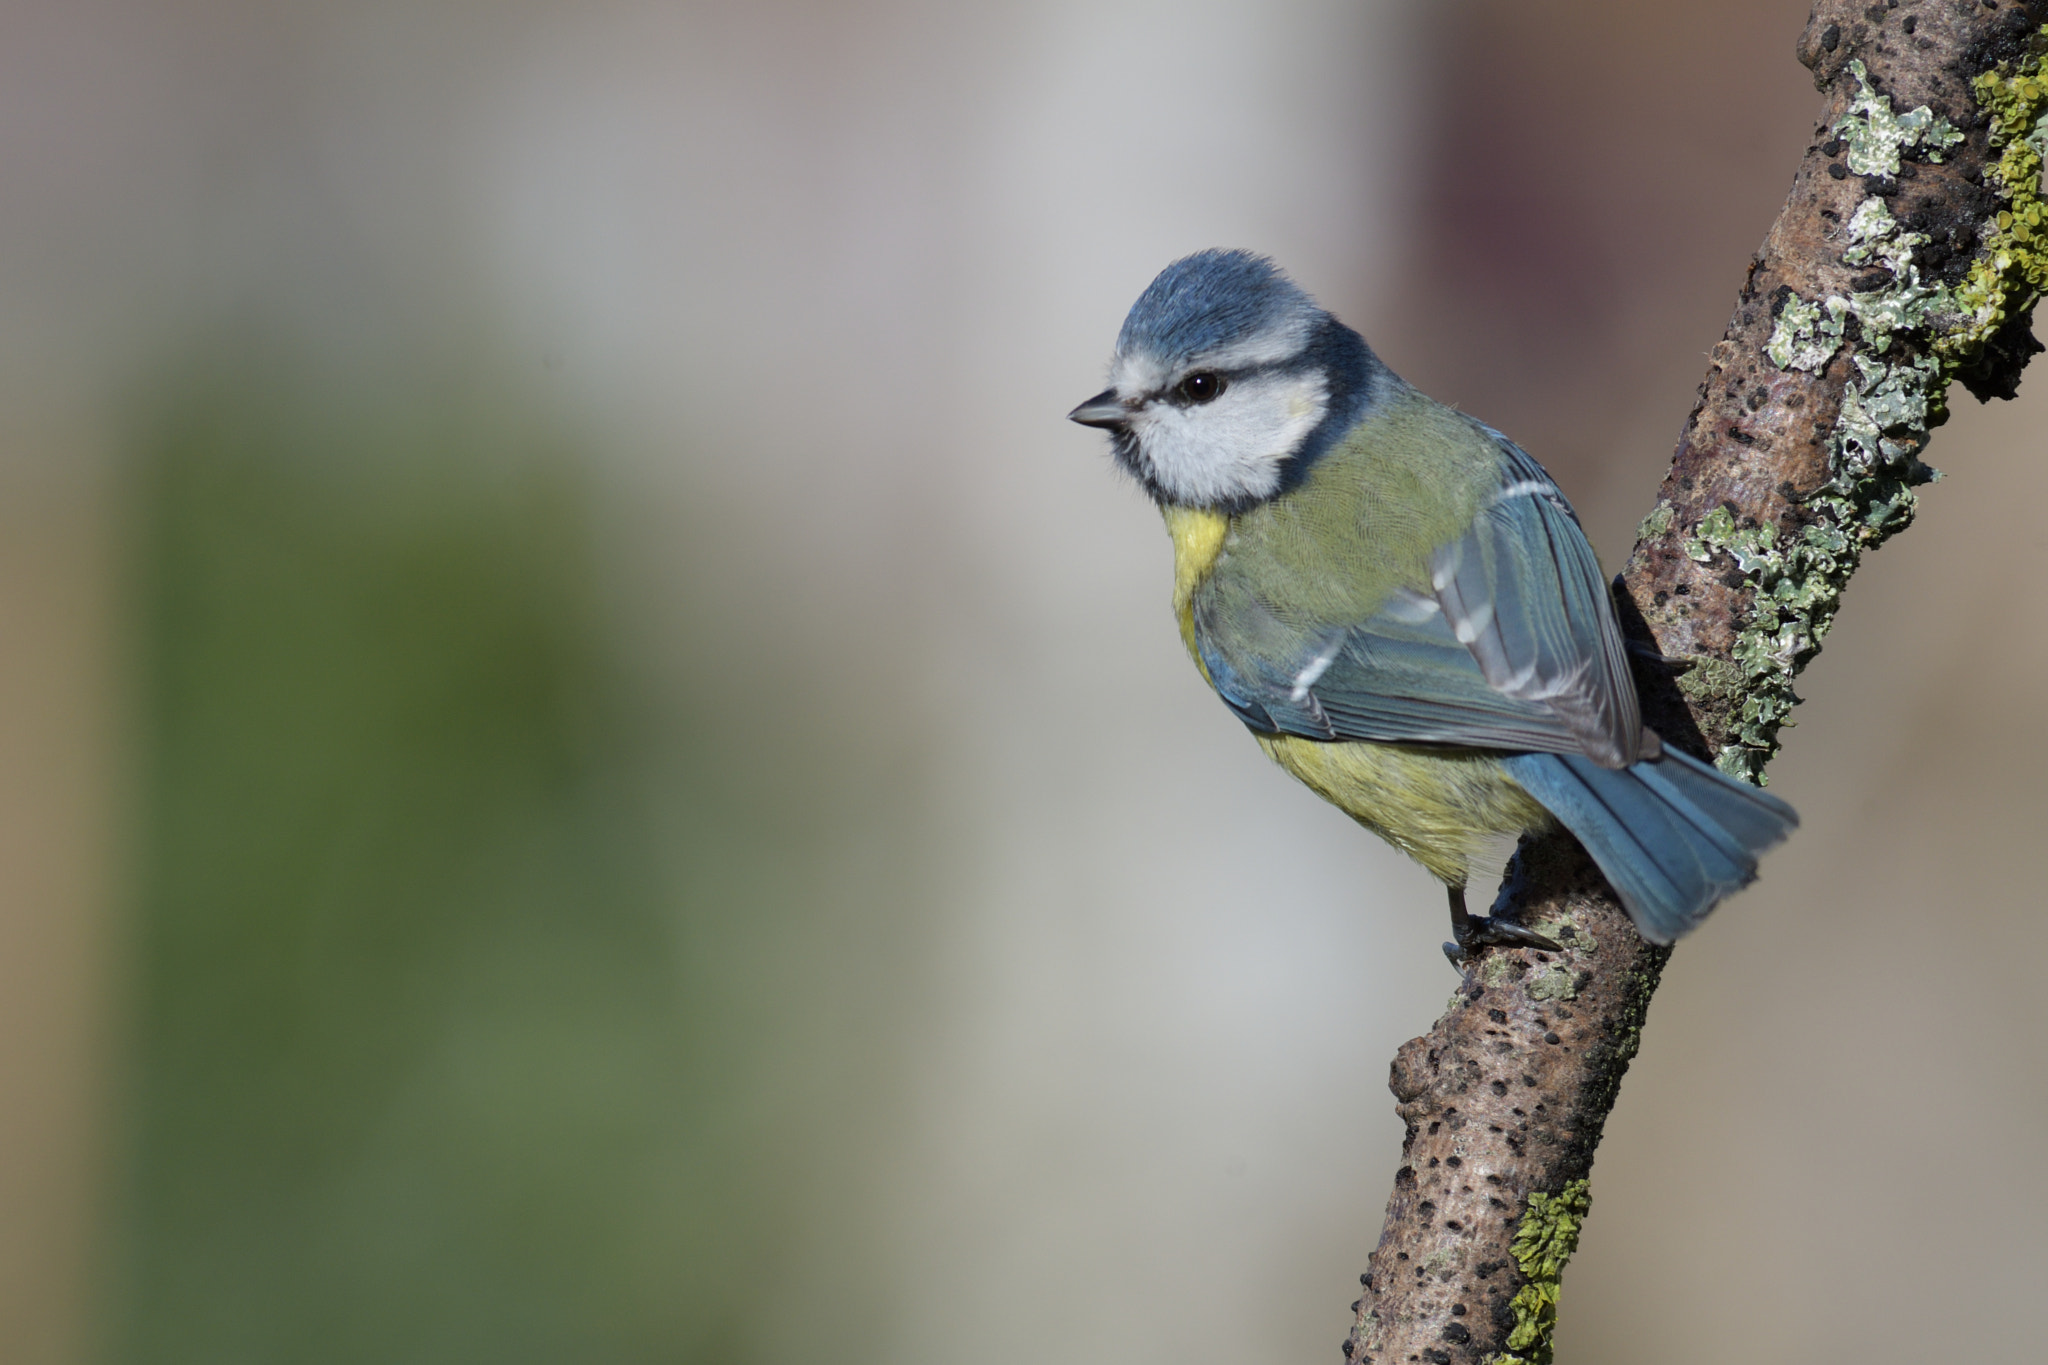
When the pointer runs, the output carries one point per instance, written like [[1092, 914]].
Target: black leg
[[1473, 932], [1461, 928]]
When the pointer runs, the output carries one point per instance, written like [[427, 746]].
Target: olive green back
[[1365, 520]]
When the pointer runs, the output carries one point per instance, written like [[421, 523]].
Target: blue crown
[[1202, 301]]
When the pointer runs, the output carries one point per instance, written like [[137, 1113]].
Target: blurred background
[[590, 772]]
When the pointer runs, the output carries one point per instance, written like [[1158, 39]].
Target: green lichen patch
[[1554, 983], [1797, 582], [1569, 933], [1708, 679], [1806, 337], [1911, 338], [1808, 333], [2010, 273], [1885, 410], [1499, 968], [1876, 136], [1891, 399], [1543, 1243], [1655, 524]]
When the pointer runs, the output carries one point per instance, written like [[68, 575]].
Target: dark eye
[[1202, 387]]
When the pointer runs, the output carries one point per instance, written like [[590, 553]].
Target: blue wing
[[1512, 644]]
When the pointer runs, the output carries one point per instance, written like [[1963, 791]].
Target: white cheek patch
[[1231, 449]]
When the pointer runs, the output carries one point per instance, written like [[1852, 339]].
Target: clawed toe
[[1474, 932], [1500, 933]]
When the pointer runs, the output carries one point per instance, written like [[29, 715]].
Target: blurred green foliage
[[480, 1012]]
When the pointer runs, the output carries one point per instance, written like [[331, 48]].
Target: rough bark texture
[[1763, 516]]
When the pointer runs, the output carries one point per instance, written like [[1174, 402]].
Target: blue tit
[[1400, 604]]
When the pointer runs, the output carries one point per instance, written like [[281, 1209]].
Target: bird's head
[[1228, 381]]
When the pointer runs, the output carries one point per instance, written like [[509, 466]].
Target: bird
[[1401, 606]]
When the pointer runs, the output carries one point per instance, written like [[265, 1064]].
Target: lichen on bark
[[1544, 1243], [2009, 275], [1895, 394], [1907, 255]]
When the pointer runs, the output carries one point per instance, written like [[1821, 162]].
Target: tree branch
[[1908, 254]]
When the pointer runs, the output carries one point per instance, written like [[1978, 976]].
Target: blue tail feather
[[1673, 835]]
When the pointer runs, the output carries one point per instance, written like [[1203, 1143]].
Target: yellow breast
[[1198, 536], [1441, 807]]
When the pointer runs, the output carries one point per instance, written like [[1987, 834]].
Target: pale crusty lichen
[[1543, 1243], [1798, 588], [1498, 968], [1710, 680], [1570, 933], [1807, 335], [1655, 524], [1875, 135], [1893, 396]]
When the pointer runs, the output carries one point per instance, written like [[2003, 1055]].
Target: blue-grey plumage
[[1399, 602]]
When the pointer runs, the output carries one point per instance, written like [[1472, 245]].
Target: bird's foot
[[1482, 932], [1473, 932]]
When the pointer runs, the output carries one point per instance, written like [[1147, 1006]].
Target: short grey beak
[[1105, 409]]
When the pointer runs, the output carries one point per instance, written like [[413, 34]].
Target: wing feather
[[1512, 644]]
